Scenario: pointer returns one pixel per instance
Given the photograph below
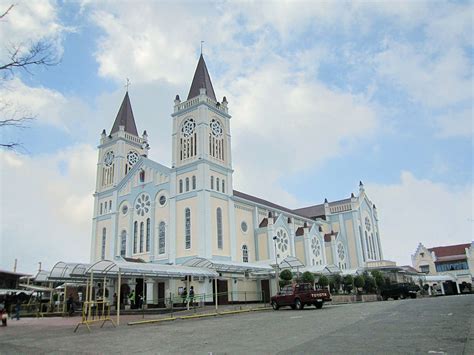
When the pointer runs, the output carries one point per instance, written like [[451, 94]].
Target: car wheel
[[293, 306], [402, 297], [275, 305], [299, 306], [384, 298], [395, 298], [413, 295], [319, 305]]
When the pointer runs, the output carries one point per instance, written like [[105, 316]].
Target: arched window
[[219, 227], [110, 205], [161, 238], [362, 242], [147, 246], [104, 240], [369, 256], [180, 186], [187, 184], [105, 207], [135, 239], [187, 228], [194, 182], [245, 254], [101, 208], [217, 184], [141, 236], [212, 182], [142, 175], [223, 186], [123, 243]]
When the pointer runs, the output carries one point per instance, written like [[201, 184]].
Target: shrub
[[286, 275], [359, 282], [323, 281], [369, 284], [307, 277], [348, 283]]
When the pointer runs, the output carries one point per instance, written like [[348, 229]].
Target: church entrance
[[222, 296], [161, 294], [139, 292], [265, 286]]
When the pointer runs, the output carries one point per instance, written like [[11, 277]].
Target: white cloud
[[46, 207], [455, 124], [421, 211], [29, 22]]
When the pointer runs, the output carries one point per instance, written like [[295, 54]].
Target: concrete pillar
[[151, 294], [442, 288], [429, 290], [132, 284], [457, 287]]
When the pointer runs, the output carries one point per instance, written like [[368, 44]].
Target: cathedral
[[190, 212]]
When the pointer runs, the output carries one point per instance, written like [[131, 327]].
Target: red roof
[[450, 250]]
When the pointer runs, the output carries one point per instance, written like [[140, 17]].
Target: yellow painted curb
[[150, 321]]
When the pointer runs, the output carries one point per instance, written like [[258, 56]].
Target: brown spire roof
[[125, 118], [201, 80]]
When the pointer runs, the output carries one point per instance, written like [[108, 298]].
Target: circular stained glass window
[[244, 226], [162, 200], [340, 251], [109, 158], [282, 240], [188, 127], [143, 204], [316, 247], [124, 209], [132, 158], [216, 128]]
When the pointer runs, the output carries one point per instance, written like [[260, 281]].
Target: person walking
[[3, 314], [191, 296], [184, 295], [70, 305], [17, 309], [131, 297]]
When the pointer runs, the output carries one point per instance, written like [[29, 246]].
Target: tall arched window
[[194, 182], [187, 228], [212, 182], [147, 246], [217, 184], [104, 240], [135, 237], [142, 175], [223, 186], [161, 238], [187, 184], [219, 227], [180, 186], [245, 254], [123, 243], [362, 243], [188, 139], [369, 256], [141, 236]]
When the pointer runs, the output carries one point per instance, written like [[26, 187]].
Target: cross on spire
[[201, 46], [127, 85]]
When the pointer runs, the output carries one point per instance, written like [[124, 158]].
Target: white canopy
[[291, 262], [228, 265]]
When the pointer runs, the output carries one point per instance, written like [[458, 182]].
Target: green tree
[[379, 280], [307, 277], [359, 282], [286, 275], [369, 284], [348, 283], [335, 283], [323, 281]]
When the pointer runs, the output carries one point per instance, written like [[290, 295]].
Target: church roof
[[125, 118], [318, 210], [450, 250], [201, 80]]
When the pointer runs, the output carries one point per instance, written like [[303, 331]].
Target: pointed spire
[[125, 118], [201, 80]]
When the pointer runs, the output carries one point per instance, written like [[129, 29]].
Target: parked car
[[299, 295], [397, 291]]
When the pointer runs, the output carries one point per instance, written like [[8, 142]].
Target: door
[[222, 297], [265, 287], [161, 294]]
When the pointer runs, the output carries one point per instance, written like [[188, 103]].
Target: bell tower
[[121, 149], [201, 124]]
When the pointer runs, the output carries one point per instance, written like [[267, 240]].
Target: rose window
[[316, 247], [188, 127], [340, 251], [142, 205], [367, 223], [282, 240], [132, 158], [216, 128], [109, 158]]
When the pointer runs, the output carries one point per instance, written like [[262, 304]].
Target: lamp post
[[277, 276]]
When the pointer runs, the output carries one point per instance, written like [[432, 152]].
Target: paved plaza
[[428, 325]]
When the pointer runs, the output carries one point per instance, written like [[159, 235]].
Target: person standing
[[191, 296], [131, 297], [3, 315], [184, 295]]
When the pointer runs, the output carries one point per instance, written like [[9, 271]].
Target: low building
[[449, 268]]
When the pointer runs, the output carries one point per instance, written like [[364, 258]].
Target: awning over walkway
[[291, 262], [68, 271], [438, 278], [111, 269], [228, 266]]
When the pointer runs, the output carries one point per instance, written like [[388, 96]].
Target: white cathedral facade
[[170, 215]]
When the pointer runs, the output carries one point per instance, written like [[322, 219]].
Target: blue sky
[[323, 94]]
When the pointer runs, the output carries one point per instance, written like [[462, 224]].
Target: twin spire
[[201, 80]]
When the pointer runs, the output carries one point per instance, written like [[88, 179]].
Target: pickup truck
[[397, 291], [299, 295]]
